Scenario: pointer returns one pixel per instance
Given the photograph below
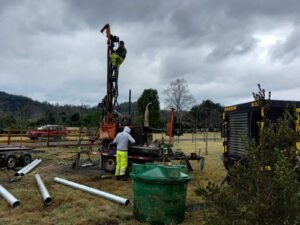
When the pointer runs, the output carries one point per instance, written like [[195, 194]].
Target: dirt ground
[[76, 207]]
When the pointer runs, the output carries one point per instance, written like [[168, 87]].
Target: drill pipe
[[12, 201], [18, 173], [44, 192], [28, 169], [93, 191]]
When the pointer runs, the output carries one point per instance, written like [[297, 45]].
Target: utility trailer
[[146, 151], [11, 156], [241, 124], [108, 161], [136, 154], [140, 155]]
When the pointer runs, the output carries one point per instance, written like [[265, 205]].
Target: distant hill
[[124, 107], [11, 105], [14, 107], [19, 111]]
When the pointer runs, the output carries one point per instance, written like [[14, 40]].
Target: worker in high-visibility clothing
[[122, 140], [118, 56]]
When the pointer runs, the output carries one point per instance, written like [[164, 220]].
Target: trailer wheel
[[11, 161], [26, 159], [109, 164]]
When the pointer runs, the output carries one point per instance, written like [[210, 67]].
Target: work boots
[[123, 177]]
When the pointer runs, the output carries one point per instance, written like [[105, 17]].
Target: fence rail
[[81, 137], [73, 138]]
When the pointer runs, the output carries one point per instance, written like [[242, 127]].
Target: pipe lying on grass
[[28, 168], [44, 192], [31, 167], [18, 173], [12, 201], [93, 191]]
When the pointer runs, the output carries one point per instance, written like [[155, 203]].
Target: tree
[[207, 114], [149, 96], [178, 96], [50, 118], [74, 119], [263, 190], [47, 119], [63, 117], [92, 119], [8, 122]]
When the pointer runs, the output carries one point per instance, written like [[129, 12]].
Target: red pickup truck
[[53, 131]]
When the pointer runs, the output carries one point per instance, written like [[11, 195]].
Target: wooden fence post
[[8, 138], [206, 140], [48, 138], [79, 136]]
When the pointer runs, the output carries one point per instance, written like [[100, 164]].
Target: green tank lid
[[156, 173]]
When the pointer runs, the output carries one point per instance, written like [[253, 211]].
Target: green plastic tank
[[159, 193]]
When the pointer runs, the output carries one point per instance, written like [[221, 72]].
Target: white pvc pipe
[[12, 201], [43, 190], [28, 169], [93, 191], [18, 173]]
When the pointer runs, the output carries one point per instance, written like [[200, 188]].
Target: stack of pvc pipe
[[43, 190], [12, 201], [28, 168], [92, 191]]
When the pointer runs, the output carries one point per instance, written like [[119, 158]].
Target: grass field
[[75, 207]]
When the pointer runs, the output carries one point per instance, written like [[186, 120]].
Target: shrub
[[262, 191]]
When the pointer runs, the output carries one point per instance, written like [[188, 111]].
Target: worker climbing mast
[[112, 122], [109, 104]]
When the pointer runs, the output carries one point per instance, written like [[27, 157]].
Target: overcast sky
[[52, 50]]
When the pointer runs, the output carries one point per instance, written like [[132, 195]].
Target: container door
[[238, 133]]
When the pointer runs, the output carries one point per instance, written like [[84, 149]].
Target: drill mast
[[108, 128]]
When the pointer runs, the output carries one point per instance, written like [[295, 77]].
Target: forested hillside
[[20, 111], [16, 110]]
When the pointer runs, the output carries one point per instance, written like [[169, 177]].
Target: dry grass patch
[[76, 207]]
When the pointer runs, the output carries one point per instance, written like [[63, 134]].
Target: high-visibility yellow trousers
[[122, 162], [116, 60]]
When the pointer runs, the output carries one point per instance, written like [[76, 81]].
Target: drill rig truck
[[114, 122], [144, 150]]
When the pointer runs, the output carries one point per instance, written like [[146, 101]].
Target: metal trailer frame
[[11, 156], [107, 160]]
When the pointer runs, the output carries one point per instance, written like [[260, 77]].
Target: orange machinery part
[[108, 131]]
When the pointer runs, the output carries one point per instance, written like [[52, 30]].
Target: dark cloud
[[287, 51], [234, 48], [52, 50], [95, 12]]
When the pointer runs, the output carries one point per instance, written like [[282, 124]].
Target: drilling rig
[[109, 125], [113, 122]]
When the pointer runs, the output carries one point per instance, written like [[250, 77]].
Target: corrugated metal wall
[[238, 132]]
